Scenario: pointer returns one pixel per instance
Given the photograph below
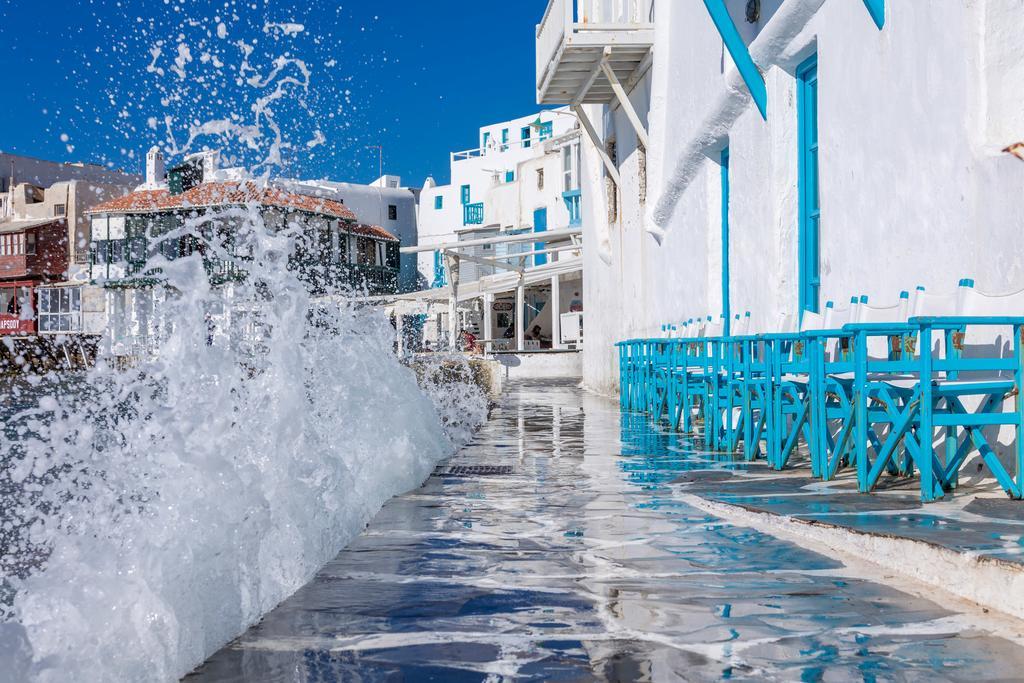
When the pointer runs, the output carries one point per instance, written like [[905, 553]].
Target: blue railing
[[473, 214]]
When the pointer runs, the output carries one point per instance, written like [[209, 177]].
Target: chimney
[[154, 167]]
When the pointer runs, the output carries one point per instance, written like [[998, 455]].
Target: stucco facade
[[914, 186]]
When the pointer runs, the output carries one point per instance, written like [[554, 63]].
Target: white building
[[523, 178], [16, 170], [878, 164], [385, 203]]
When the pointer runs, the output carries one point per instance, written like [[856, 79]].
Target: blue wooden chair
[[856, 411], [687, 367], [884, 393], [794, 386], [967, 388]]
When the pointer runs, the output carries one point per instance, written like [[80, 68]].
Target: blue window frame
[[465, 194], [525, 134], [540, 224], [573, 204], [808, 184], [439, 279], [487, 138], [510, 176], [438, 202], [725, 239], [546, 130], [504, 138]]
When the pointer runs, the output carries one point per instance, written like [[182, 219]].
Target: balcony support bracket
[[623, 98], [598, 143]]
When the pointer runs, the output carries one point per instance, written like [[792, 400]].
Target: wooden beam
[[505, 239], [482, 261], [598, 144], [595, 71], [627, 106]]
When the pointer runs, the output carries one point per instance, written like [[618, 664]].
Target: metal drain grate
[[474, 471]]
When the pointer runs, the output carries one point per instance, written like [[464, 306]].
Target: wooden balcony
[[580, 41]]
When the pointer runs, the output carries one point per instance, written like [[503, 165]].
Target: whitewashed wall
[[914, 187], [479, 170]]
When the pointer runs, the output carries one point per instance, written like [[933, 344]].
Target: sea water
[[151, 513]]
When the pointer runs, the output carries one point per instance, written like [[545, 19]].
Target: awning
[[499, 282], [19, 225]]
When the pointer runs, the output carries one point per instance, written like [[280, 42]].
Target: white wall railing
[[563, 17]]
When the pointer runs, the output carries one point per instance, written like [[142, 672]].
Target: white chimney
[[154, 168]]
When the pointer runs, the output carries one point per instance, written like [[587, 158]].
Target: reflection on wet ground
[[582, 563]]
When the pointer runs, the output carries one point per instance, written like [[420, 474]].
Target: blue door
[[810, 204], [540, 224]]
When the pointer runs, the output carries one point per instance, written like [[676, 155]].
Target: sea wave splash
[[165, 508], [153, 512]]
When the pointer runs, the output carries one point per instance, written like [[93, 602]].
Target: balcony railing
[[566, 17], [473, 214]]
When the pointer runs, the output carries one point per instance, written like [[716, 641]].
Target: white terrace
[[587, 48]]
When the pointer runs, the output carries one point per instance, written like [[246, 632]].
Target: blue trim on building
[[540, 224], [546, 130], [876, 8], [525, 135], [438, 202], [740, 54], [464, 194], [574, 205], [439, 279], [510, 176], [473, 214], [726, 312], [808, 185]]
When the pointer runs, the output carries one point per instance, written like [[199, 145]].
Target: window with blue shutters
[[465, 194], [438, 202], [510, 176], [525, 134], [808, 182], [546, 131]]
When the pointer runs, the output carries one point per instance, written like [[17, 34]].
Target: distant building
[[334, 251], [16, 169], [44, 237], [493, 224], [384, 202], [524, 177]]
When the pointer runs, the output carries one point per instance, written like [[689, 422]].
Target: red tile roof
[[221, 193], [373, 231]]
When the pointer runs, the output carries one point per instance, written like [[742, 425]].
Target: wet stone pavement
[[557, 549]]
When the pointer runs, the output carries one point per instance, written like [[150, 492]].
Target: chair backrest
[[741, 325], [934, 304], [893, 313], [713, 327], [977, 303], [836, 317], [831, 318], [899, 312]]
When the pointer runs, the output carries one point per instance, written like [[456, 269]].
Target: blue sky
[[103, 80]]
